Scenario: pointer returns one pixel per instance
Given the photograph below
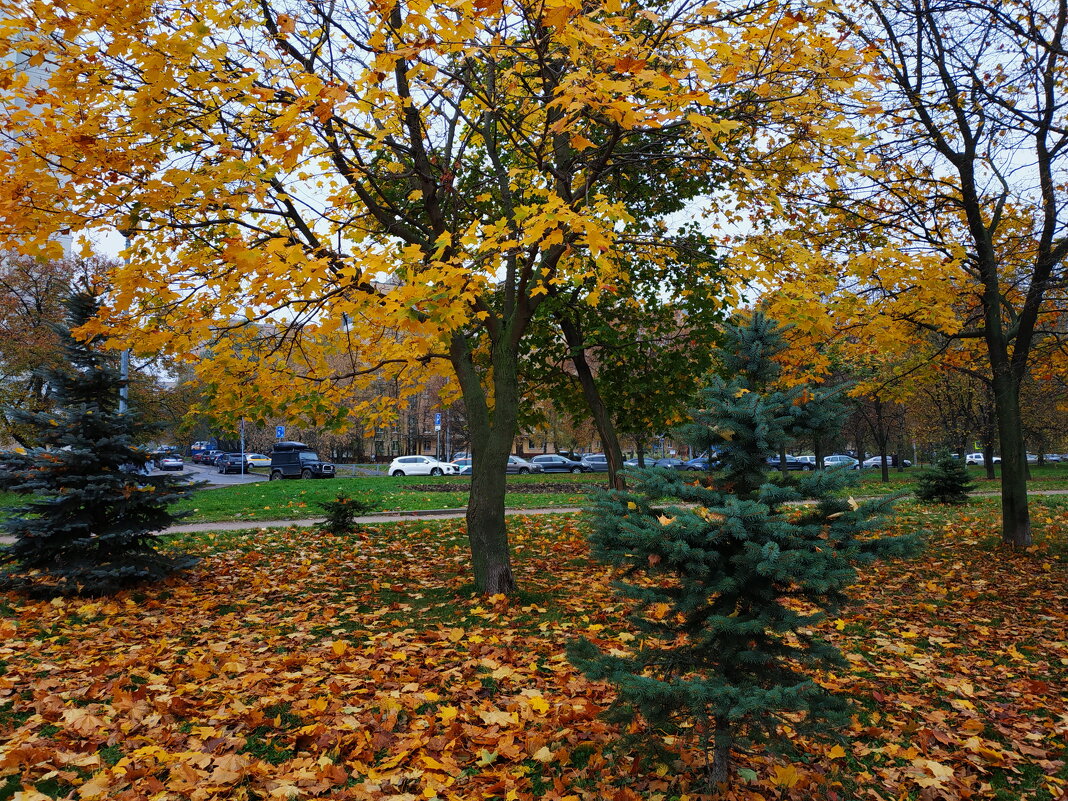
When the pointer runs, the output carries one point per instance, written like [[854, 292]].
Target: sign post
[[437, 430]]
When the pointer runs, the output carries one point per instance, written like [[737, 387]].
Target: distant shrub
[[947, 481], [341, 514]]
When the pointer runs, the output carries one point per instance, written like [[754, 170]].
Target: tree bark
[[1015, 514], [988, 460], [719, 774], [492, 434], [606, 429]]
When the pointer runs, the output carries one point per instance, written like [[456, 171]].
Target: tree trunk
[[719, 774], [613, 451], [988, 460], [1015, 514], [492, 433]]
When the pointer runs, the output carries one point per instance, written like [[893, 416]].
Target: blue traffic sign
[[279, 432]]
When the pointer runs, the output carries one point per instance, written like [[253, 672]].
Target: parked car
[[461, 455], [421, 466], [841, 460], [596, 462], [231, 463], [210, 457], [297, 460], [574, 457], [808, 458], [554, 463], [792, 463], [518, 465], [1032, 458], [700, 463], [257, 460], [877, 461], [171, 461], [1051, 457], [979, 459], [649, 462], [670, 463]]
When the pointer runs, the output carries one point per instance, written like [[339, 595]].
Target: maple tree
[[956, 234], [727, 588], [350, 192], [31, 303], [88, 524]]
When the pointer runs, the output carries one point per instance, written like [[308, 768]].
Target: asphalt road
[[199, 472]]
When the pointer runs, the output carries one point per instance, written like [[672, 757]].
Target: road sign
[[279, 432], [437, 421]]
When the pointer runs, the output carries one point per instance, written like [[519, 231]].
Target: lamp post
[[124, 360]]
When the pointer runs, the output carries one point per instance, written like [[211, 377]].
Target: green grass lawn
[[292, 500]]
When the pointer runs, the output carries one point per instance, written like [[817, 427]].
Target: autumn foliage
[[293, 663]]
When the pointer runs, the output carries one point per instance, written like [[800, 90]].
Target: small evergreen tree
[[727, 589], [87, 526], [946, 481], [341, 514]]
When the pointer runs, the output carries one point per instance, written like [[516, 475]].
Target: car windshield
[[309, 456]]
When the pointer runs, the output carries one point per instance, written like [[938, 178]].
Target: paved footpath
[[383, 517], [421, 514]]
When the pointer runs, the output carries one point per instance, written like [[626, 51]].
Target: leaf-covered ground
[[292, 664]]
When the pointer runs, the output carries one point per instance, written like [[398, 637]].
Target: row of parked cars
[[542, 463]]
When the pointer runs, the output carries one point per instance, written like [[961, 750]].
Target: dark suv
[[297, 460], [231, 463]]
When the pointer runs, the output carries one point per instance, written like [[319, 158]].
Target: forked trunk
[[492, 433], [486, 525]]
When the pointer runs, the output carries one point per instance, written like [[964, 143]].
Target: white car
[[979, 459], [840, 460], [421, 466], [877, 461], [257, 460]]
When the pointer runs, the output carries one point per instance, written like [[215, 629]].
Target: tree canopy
[[349, 191]]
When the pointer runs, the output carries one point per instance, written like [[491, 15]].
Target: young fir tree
[[947, 481], [87, 526], [728, 589]]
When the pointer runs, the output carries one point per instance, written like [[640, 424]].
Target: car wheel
[[276, 475], [305, 473], [576, 469], [397, 473], [807, 468], [436, 471], [523, 470]]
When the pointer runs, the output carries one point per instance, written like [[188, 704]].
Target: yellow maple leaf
[[785, 776], [665, 520]]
